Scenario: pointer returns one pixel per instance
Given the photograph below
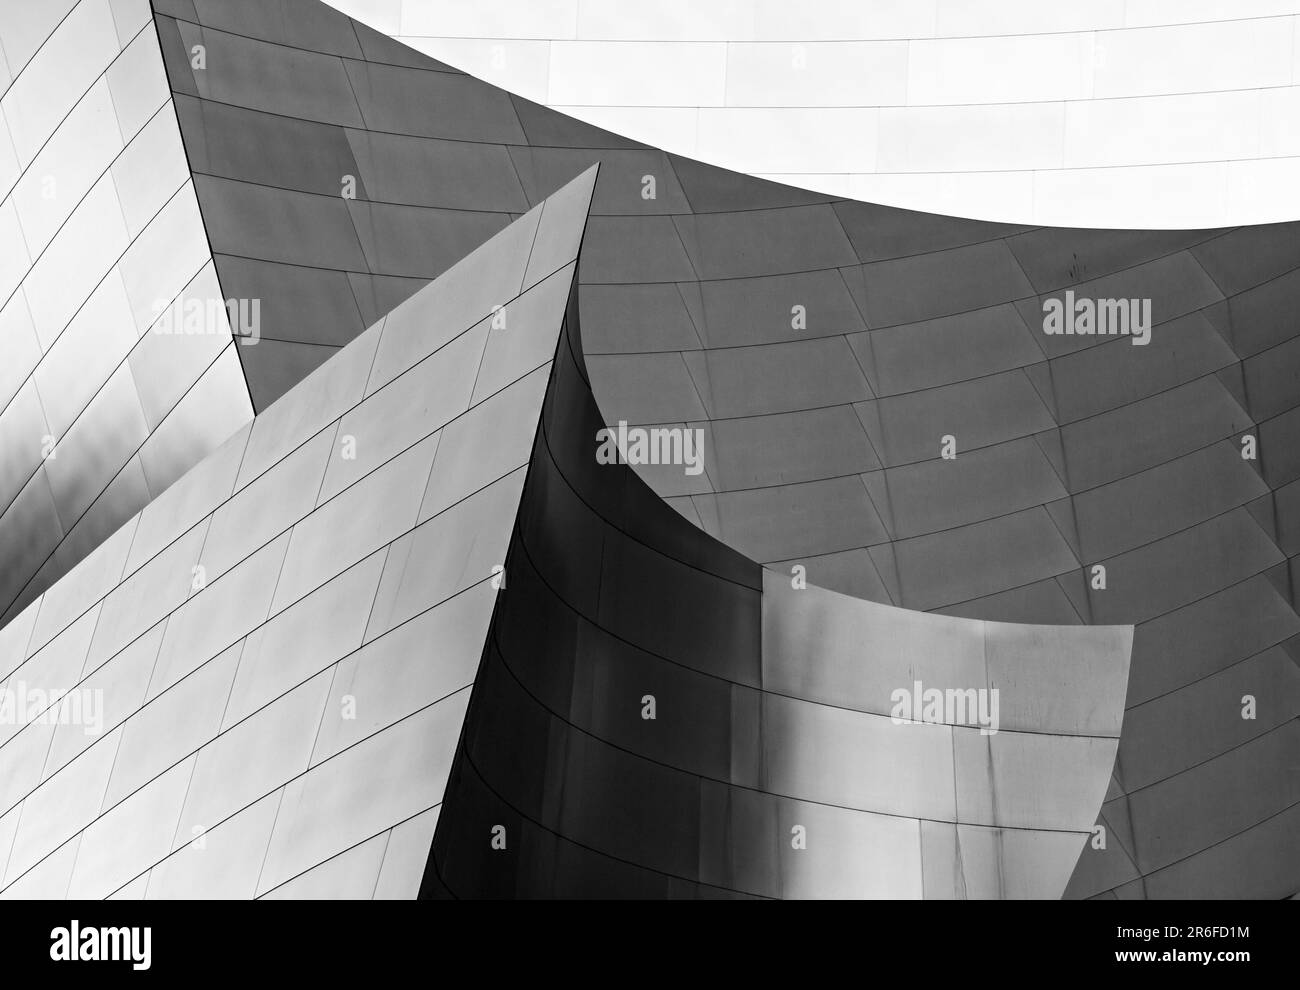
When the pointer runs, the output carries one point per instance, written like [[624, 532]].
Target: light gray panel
[[404, 859], [1030, 780], [485, 443], [386, 778], [20, 763], [14, 638], [109, 513], [309, 407], [350, 527], [219, 864], [161, 261], [210, 412], [55, 667], [446, 554], [559, 233], [187, 501], [830, 648], [23, 422], [172, 726], [92, 579], [304, 639], [834, 756], [1059, 679], [351, 875], [22, 348], [121, 685], [253, 757], [87, 457], [849, 854], [94, 343], [527, 334], [165, 365], [218, 615], [48, 880], [460, 298], [61, 807], [268, 506], [130, 838], [405, 411], [416, 664]]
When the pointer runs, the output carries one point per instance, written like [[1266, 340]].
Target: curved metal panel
[[701, 726], [826, 347]]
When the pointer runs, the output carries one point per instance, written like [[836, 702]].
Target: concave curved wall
[[823, 434], [655, 715]]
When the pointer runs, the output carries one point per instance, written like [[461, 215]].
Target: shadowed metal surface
[[823, 440], [769, 764]]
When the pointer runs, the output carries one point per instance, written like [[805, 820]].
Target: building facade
[[913, 471]]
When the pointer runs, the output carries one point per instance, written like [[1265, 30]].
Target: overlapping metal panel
[[657, 716], [255, 686], [106, 396], [882, 411], [829, 349]]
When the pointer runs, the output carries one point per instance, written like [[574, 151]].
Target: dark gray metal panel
[[556, 741]]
